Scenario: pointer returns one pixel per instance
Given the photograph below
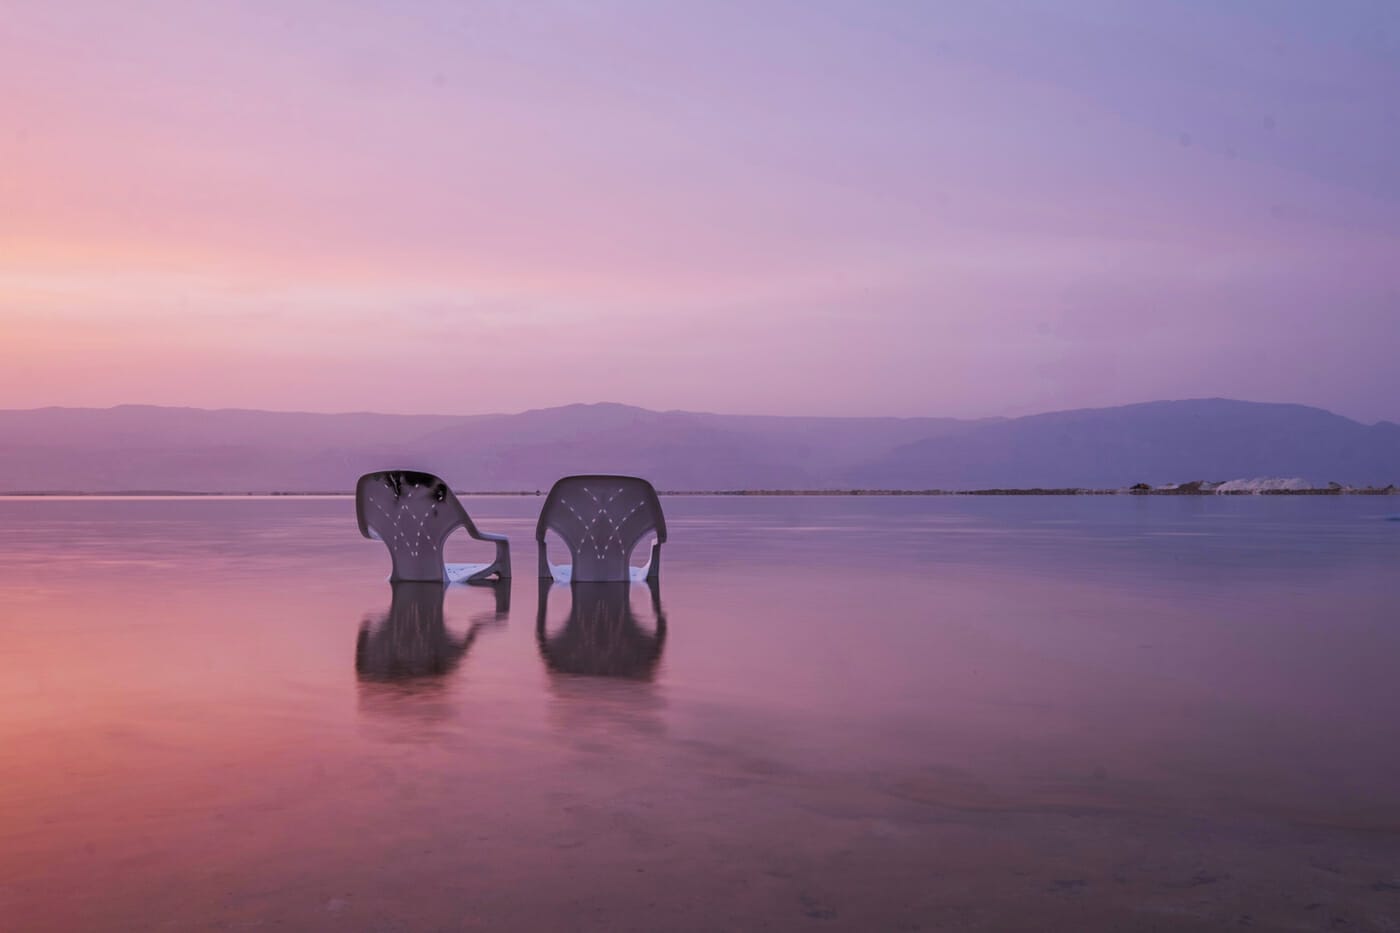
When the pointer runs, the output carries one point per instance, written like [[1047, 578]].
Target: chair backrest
[[412, 513], [601, 519]]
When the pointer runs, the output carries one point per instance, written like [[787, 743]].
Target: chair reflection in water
[[602, 636], [412, 640]]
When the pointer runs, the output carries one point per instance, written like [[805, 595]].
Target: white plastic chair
[[413, 513], [601, 519]]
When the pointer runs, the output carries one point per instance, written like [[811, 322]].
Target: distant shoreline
[[736, 493]]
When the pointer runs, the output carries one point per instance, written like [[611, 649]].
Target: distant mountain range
[[145, 448]]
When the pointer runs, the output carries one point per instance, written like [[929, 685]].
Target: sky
[[805, 207]]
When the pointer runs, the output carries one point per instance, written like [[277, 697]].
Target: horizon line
[[1194, 488]]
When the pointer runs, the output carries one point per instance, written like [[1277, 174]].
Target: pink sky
[[786, 207]]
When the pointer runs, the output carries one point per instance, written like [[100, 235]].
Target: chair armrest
[[501, 566]]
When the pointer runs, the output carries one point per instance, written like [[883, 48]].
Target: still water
[[1103, 713]]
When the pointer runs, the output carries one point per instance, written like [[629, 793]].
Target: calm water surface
[[861, 714]]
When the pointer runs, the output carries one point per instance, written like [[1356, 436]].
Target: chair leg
[[654, 567]]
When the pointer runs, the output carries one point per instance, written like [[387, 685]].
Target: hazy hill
[[133, 447], [681, 450], [149, 448], [1155, 442]]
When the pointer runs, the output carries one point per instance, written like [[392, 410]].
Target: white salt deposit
[[1263, 484]]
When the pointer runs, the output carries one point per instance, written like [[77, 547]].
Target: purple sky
[[787, 207]]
